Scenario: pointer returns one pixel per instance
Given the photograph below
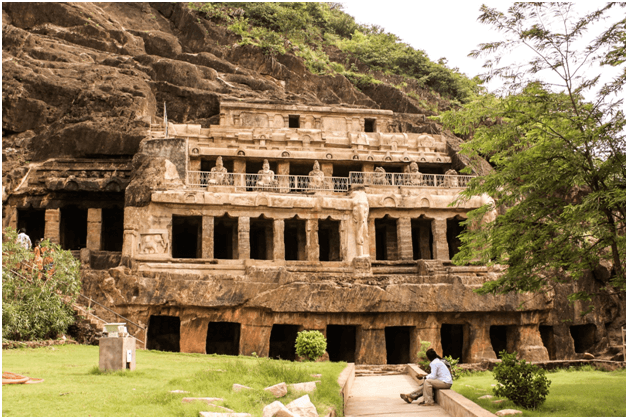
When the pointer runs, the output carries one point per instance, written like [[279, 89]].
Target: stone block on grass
[[278, 390], [302, 407], [488, 396], [305, 387], [240, 387], [508, 412], [276, 409]]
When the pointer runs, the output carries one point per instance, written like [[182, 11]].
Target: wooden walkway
[[378, 396]]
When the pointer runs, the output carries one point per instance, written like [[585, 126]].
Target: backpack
[[448, 365]]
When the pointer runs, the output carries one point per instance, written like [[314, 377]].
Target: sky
[[443, 28]]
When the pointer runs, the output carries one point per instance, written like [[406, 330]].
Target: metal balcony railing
[[303, 184]]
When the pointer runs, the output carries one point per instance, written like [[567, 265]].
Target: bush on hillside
[[37, 289], [520, 382], [310, 344]]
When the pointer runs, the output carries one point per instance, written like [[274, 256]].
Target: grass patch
[[74, 386], [573, 392]]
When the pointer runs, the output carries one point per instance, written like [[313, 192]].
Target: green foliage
[[37, 294], [524, 384], [310, 344], [560, 159], [456, 371], [424, 363]]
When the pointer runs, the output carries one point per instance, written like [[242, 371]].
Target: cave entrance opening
[[112, 232], [547, 336], [329, 240], [295, 239], [422, 239], [186, 236], [369, 125], [452, 340], [499, 339], [225, 237], [223, 338], [583, 337], [261, 238], [34, 221], [282, 340], [341, 342], [386, 238], [398, 344], [73, 228], [454, 228], [164, 333]]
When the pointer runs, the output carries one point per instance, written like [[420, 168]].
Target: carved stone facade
[[284, 218]]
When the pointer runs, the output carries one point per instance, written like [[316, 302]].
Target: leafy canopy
[[37, 290], [558, 150]]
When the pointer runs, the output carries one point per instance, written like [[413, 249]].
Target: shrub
[[310, 344], [37, 292], [520, 382], [424, 363], [456, 371]]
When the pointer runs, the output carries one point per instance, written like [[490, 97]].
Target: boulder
[[305, 387], [488, 396], [239, 387], [276, 409], [587, 355], [278, 390], [303, 407], [508, 412]]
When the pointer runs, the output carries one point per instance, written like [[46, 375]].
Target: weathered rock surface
[[305, 387], [276, 409], [239, 387], [278, 390], [508, 412], [302, 407]]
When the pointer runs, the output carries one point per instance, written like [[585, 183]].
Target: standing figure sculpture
[[218, 174], [317, 176], [360, 217], [266, 177]]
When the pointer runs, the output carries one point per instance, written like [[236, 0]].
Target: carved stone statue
[[218, 174], [379, 177], [452, 178], [414, 177], [317, 177], [266, 177], [360, 218]]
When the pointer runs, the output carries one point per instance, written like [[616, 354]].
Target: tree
[[38, 290], [558, 150]]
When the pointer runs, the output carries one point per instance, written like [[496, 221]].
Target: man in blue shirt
[[439, 377]]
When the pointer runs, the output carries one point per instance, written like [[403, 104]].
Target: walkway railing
[[300, 184]]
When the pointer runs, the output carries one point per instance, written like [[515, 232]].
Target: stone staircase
[[371, 370]]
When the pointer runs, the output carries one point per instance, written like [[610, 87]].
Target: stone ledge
[[345, 380]]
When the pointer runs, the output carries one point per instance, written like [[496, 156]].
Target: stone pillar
[[10, 218], [239, 166], [372, 248], [404, 238], [208, 237], [52, 226], [244, 240], [392, 252], [254, 339], [440, 245], [279, 246], [94, 228], [480, 346], [328, 169], [195, 165], [311, 233], [424, 241], [368, 167], [371, 347], [430, 332], [283, 168], [301, 243], [528, 343], [193, 338]]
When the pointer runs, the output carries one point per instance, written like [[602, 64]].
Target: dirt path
[[379, 396]]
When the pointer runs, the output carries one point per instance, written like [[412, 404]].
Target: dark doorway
[[112, 229], [452, 339], [422, 239], [225, 237], [369, 125], [261, 238], [293, 121], [34, 221], [282, 340], [186, 236], [583, 337], [295, 239], [386, 238], [164, 333], [547, 336], [329, 240], [223, 338], [499, 339], [73, 228], [341, 343], [398, 344], [454, 228]]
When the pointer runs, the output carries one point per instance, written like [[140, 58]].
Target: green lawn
[[73, 385], [572, 393]]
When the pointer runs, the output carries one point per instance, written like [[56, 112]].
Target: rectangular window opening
[[293, 121], [369, 125]]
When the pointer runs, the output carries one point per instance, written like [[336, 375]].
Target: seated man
[[414, 177], [266, 177], [440, 377], [317, 177], [218, 174], [451, 179], [379, 177]]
